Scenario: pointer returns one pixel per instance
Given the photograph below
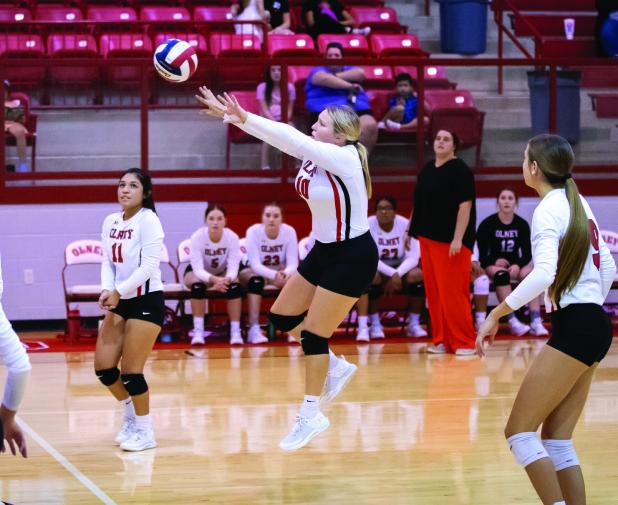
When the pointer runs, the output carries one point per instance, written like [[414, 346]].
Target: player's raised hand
[[234, 113], [213, 106]]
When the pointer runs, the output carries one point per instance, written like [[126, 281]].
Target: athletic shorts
[[583, 331], [149, 307], [346, 267]]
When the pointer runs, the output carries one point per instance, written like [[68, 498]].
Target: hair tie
[[567, 177], [351, 142]]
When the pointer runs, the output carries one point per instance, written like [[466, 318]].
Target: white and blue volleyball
[[175, 60]]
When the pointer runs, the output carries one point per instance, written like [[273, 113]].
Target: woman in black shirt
[[443, 219], [505, 254]]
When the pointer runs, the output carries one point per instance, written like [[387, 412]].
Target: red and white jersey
[[131, 253], [330, 179], [215, 258], [549, 225], [391, 247], [267, 256]]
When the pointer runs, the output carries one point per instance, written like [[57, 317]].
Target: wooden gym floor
[[410, 429]]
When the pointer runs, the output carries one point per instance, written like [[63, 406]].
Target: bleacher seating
[[235, 135], [125, 45], [605, 104], [290, 45], [23, 46], [379, 19], [49, 12], [111, 13], [353, 45], [12, 14], [67, 45], [378, 77], [435, 77], [390, 44], [161, 13]]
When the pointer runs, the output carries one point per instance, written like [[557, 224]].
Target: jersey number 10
[[302, 187]]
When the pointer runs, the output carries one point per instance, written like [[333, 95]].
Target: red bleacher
[[353, 45], [299, 44], [111, 13], [379, 19], [386, 44]]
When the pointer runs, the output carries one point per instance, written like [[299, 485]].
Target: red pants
[[447, 286]]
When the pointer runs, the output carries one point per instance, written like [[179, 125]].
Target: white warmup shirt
[[330, 179], [215, 258], [131, 254], [267, 256], [391, 247], [14, 356], [549, 225]]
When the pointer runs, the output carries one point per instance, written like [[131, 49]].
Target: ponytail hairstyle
[[146, 182], [555, 159], [347, 123]]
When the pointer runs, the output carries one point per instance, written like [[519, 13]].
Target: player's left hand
[[488, 330], [455, 247]]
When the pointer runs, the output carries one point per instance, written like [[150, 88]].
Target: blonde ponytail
[[555, 159], [347, 123]]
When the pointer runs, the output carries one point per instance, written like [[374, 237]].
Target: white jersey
[[267, 256], [549, 225], [131, 253], [330, 179], [391, 247], [14, 356], [215, 258]]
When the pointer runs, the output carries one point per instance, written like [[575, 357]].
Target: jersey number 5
[[594, 240], [117, 253]]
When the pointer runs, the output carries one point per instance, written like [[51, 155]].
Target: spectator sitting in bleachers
[[14, 124], [249, 10], [329, 16], [398, 271], [402, 112], [505, 254], [278, 16], [272, 250], [268, 95], [340, 85], [215, 258]]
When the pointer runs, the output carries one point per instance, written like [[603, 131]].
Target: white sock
[[560, 503], [374, 318], [255, 325], [310, 406], [198, 324], [235, 325], [481, 316], [128, 407], [414, 319], [143, 422], [332, 360], [362, 322]]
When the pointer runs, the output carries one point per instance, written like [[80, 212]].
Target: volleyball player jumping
[[334, 181]]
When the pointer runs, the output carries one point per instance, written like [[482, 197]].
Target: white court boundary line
[[70, 467]]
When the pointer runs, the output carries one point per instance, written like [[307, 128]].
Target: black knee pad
[[255, 286], [234, 291], [198, 291], [285, 323], [108, 376], [313, 344], [134, 383], [502, 278], [416, 289], [375, 291]]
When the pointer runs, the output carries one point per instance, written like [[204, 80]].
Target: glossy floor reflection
[[411, 428]]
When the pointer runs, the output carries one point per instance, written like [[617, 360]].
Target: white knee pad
[[481, 285], [561, 453], [527, 448]]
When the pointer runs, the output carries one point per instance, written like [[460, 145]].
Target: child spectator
[[403, 107], [268, 95]]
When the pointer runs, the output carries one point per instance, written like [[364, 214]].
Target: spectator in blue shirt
[[340, 85], [402, 111]]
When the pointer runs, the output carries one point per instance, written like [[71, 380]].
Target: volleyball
[[175, 60]]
